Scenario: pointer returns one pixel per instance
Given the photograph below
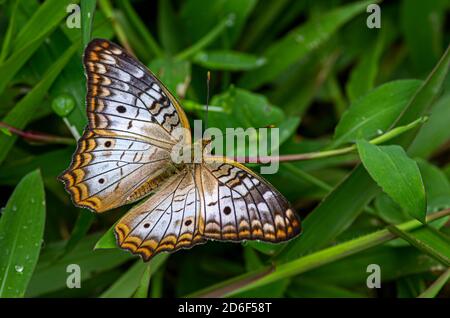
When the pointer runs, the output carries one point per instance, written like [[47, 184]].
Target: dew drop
[[14, 208], [299, 38], [230, 20], [18, 268]]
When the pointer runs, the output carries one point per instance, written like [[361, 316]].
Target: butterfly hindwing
[[124, 153], [240, 205], [167, 221]]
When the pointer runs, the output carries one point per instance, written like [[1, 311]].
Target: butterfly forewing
[[125, 151]]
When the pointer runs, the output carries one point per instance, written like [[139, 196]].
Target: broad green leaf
[[243, 109], [375, 112], [397, 174], [227, 60], [21, 233], [298, 43], [22, 113]]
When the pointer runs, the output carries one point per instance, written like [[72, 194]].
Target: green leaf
[[434, 133], [31, 37], [422, 23], [21, 233], [107, 240], [340, 208], [23, 112], [87, 18], [298, 43], [207, 15], [144, 284], [397, 174], [51, 272], [52, 12], [363, 75], [228, 60], [140, 27], [243, 109], [267, 275], [175, 75], [128, 283], [333, 215], [433, 290], [428, 240], [375, 112]]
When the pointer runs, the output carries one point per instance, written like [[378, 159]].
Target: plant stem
[[38, 137], [335, 152]]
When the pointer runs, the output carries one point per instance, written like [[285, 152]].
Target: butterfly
[[124, 155]]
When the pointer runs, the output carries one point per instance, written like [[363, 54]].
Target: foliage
[[334, 87]]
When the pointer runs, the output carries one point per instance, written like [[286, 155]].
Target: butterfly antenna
[[208, 79]]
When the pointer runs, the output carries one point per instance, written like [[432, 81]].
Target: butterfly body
[[127, 153]]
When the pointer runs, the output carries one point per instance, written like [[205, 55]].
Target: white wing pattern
[[124, 154], [214, 200], [125, 151]]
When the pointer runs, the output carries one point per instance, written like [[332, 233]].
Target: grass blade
[[21, 232], [434, 289], [23, 112], [298, 43]]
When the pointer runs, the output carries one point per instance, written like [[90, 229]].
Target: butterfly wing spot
[[227, 210], [121, 109]]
